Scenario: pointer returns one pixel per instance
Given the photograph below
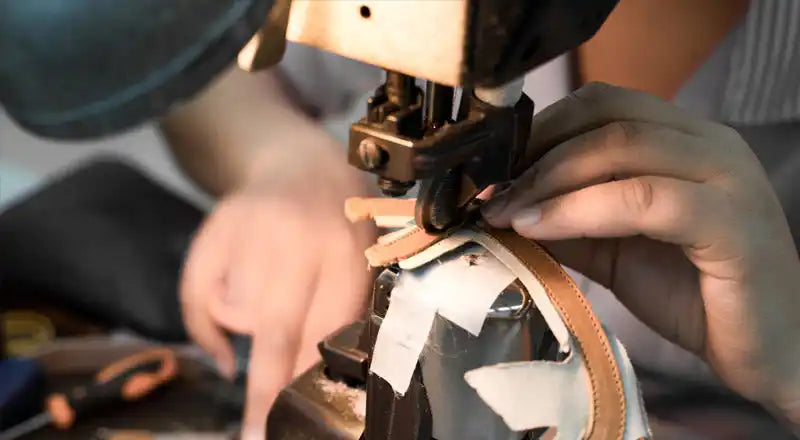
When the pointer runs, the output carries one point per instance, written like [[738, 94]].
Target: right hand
[[277, 260], [676, 216]]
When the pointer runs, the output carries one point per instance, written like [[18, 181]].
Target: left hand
[[676, 216], [278, 260]]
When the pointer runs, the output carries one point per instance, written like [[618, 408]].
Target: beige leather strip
[[360, 209], [608, 397], [388, 212], [392, 248]]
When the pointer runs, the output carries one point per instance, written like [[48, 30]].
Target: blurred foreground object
[[102, 241]]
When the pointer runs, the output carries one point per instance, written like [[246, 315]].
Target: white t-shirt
[[338, 88]]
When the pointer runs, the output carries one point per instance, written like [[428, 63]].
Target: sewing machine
[[461, 132]]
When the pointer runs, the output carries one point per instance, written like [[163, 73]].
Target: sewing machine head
[[479, 49]]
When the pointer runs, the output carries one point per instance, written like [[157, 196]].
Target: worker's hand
[[676, 216], [277, 260]]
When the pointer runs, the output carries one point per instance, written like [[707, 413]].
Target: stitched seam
[[568, 319], [403, 237], [603, 337], [598, 332], [384, 248]]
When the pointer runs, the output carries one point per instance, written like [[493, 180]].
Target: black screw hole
[[365, 12]]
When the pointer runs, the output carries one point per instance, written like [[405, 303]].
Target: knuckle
[[638, 194], [729, 135], [621, 134], [594, 91]]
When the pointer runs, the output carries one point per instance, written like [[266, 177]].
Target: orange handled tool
[[128, 379]]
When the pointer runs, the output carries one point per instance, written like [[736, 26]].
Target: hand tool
[[126, 380]]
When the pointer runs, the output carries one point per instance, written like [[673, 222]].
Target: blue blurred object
[[22, 390]]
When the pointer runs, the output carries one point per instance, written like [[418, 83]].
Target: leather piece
[[388, 212], [608, 413], [608, 398], [574, 315], [379, 209], [390, 251]]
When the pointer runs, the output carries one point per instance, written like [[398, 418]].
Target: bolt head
[[370, 153]]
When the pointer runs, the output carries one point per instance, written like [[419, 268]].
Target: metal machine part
[[483, 46], [329, 400], [456, 409], [472, 43], [408, 135]]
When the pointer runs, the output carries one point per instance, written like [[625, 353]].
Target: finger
[[675, 211], [275, 345], [278, 276], [615, 151], [595, 105], [203, 277], [340, 297]]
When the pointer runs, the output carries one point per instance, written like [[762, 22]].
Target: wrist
[[313, 163]]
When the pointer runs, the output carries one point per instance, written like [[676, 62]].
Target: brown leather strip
[[608, 418], [394, 246], [388, 252], [359, 208]]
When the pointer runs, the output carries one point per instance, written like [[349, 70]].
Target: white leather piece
[[460, 289], [436, 250], [393, 221], [403, 333], [396, 234], [538, 394], [636, 423], [535, 289], [466, 286]]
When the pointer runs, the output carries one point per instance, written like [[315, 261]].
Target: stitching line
[[598, 332]]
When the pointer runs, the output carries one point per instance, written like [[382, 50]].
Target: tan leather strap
[[608, 409], [608, 398], [386, 212]]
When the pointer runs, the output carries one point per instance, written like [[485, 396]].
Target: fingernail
[[526, 218], [494, 206]]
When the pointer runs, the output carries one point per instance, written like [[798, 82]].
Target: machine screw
[[372, 156], [394, 188]]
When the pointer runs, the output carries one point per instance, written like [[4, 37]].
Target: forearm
[[238, 124]]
